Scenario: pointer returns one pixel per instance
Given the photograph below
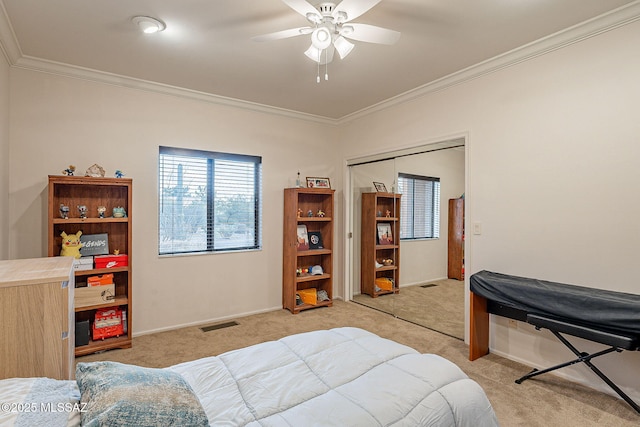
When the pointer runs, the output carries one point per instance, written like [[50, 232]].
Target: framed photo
[[315, 240], [385, 237], [380, 187], [303, 238], [315, 182]]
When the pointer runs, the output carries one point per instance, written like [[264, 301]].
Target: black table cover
[[596, 308]]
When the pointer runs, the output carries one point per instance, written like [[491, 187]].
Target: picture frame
[[317, 182], [315, 240], [385, 235], [380, 187], [302, 243]]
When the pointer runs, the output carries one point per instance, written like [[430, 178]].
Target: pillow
[[116, 394]]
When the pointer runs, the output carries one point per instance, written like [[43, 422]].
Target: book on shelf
[[303, 238], [315, 240], [94, 244], [385, 237]]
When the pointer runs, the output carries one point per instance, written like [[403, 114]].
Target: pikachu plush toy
[[71, 244]]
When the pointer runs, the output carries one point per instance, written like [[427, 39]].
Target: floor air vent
[[429, 285], [218, 326]]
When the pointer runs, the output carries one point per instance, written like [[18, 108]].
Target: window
[[419, 207], [208, 201]]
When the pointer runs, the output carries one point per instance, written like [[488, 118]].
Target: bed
[[341, 377]]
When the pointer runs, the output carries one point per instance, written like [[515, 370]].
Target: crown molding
[[11, 49], [8, 41], [598, 25], [614, 19], [61, 69]]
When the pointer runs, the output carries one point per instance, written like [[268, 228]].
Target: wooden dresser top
[[22, 272]]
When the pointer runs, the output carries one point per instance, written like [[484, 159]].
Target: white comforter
[[339, 377]]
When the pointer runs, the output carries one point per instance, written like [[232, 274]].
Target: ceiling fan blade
[[353, 8], [370, 33], [282, 34], [302, 7]]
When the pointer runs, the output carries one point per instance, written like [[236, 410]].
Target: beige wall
[[4, 157], [59, 121], [552, 176]]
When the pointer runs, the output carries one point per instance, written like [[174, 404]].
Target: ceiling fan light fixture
[[314, 18], [149, 25], [341, 16], [313, 53], [321, 38], [343, 46], [331, 29], [346, 30]]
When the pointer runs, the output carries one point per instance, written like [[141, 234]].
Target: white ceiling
[[207, 45]]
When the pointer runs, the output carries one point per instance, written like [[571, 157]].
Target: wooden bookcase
[[379, 209], [455, 248], [93, 192], [298, 202]]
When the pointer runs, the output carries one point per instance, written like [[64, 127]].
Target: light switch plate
[[477, 228]]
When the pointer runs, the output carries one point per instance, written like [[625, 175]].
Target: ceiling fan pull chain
[[326, 65], [318, 76]]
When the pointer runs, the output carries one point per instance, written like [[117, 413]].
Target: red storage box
[[111, 261], [107, 323]]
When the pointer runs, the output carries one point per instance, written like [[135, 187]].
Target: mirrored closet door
[[401, 248]]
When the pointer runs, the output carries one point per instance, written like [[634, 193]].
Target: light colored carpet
[[439, 306], [546, 401]]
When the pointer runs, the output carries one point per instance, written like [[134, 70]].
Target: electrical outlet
[[513, 323]]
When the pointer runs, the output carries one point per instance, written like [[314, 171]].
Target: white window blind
[[419, 207], [208, 201]]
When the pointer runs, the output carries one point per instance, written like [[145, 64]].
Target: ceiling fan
[[331, 26]]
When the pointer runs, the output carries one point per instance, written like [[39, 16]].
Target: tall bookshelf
[[379, 212], [93, 192], [313, 209]]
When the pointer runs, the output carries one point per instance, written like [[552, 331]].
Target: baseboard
[[421, 282], [597, 384], [204, 322], [212, 320]]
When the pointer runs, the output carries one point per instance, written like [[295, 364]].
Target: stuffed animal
[[71, 244]]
